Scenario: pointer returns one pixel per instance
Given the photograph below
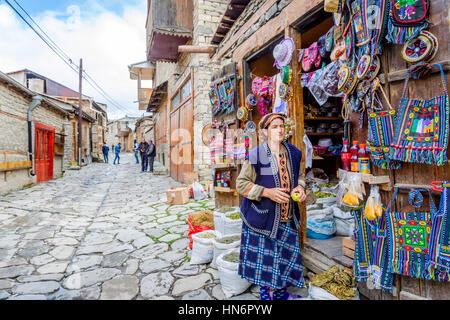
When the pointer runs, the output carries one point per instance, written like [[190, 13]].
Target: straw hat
[[283, 52]]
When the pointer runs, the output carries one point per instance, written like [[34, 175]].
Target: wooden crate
[[348, 247], [177, 196]]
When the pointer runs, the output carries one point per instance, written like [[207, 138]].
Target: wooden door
[[44, 152], [185, 148], [174, 125]]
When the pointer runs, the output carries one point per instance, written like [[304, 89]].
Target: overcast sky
[[108, 34]]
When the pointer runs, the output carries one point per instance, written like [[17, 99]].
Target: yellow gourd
[[369, 210]]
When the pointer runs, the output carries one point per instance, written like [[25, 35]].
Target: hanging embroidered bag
[[381, 131], [422, 126], [310, 56], [377, 18], [406, 19], [439, 265], [214, 99], [410, 236], [359, 14], [371, 260]]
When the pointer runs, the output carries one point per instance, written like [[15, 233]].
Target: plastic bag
[[316, 88], [199, 192], [203, 248], [320, 215], [351, 189], [317, 293], [373, 207], [344, 227], [317, 175], [232, 283], [308, 152], [220, 247], [327, 227]]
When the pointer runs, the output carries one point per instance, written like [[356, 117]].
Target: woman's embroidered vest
[[264, 216]]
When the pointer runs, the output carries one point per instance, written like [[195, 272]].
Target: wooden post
[[296, 113], [80, 112]]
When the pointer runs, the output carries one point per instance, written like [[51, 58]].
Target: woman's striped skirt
[[274, 263]]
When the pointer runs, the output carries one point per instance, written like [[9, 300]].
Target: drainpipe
[[34, 104]]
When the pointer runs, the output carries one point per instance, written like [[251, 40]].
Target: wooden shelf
[[324, 134], [224, 166], [226, 190], [323, 119]]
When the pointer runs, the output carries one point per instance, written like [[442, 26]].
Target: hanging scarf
[[381, 132], [439, 265], [422, 126], [377, 18], [406, 19]]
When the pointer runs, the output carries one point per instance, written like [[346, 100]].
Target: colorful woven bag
[[422, 126], [410, 236], [372, 251], [406, 19], [359, 15], [214, 99], [439, 264], [381, 131]]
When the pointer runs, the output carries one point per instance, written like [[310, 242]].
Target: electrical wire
[[66, 59]]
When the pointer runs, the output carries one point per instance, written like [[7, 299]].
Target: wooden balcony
[[169, 25]]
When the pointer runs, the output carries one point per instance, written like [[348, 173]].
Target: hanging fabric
[[439, 265], [410, 234], [406, 19], [381, 131], [229, 96], [371, 260], [214, 98], [422, 126], [377, 18], [360, 27]]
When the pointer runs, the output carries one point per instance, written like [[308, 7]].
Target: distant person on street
[[117, 151], [143, 149], [151, 154], [105, 150], [136, 149]]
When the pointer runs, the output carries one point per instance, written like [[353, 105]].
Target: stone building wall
[[14, 135]]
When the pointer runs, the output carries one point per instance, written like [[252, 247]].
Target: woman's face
[[275, 131]]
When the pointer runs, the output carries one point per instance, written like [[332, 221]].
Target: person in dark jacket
[[151, 154], [143, 149], [105, 151], [270, 248]]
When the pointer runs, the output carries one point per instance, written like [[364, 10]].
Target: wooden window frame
[[178, 90]]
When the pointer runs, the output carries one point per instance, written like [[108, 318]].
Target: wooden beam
[[197, 49], [401, 74]]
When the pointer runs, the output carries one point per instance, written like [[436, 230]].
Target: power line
[[66, 59]]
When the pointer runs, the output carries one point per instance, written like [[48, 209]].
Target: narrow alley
[[94, 231]]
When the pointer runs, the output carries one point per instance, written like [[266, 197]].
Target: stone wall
[[14, 135]]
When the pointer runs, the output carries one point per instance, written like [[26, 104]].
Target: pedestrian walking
[[270, 248], [117, 151], [105, 150], [136, 150], [151, 154], [143, 149]]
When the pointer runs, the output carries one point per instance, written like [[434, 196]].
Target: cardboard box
[[177, 196]]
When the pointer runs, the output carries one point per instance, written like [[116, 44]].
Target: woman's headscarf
[[268, 118]]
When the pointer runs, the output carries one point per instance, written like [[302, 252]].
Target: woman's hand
[[300, 190], [278, 195]]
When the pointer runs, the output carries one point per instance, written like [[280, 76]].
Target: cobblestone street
[[104, 232]]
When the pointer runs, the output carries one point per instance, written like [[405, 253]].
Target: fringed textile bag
[[422, 127], [410, 237], [406, 19]]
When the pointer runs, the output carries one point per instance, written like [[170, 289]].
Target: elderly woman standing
[[270, 250]]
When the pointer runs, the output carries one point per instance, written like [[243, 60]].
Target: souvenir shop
[[363, 86]]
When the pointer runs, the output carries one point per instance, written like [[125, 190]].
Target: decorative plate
[[250, 127], [347, 79], [435, 42], [284, 91], [417, 49], [251, 101], [363, 66], [207, 134], [375, 67], [242, 114]]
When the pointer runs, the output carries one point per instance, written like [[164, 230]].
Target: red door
[[44, 152]]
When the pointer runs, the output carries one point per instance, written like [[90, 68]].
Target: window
[[176, 101], [186, 90]]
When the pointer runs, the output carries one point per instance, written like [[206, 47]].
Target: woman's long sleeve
[[245, 184]]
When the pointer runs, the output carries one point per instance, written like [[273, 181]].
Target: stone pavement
[[104, 232]]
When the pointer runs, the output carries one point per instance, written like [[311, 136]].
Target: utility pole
[[80, 112]]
